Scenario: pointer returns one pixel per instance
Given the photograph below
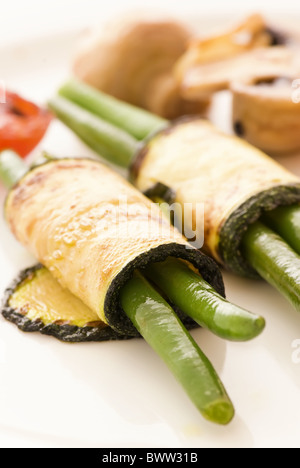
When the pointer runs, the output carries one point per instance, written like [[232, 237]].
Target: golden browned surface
[[68, 214], [203, 165], [41, 297]]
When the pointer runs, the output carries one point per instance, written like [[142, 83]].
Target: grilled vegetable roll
[[235, 182], [36, 302], [92, 229]]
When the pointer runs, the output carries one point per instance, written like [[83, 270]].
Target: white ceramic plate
[[120, 394]]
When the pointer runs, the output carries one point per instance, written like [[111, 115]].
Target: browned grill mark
[[74, 166], [37, 178], [19, 195], [61, 322], [24, 309], [97, 324]]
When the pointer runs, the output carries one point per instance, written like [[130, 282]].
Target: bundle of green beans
[[159, 325], [271, 246]]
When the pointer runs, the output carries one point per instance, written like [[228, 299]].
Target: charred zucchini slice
[[36, 302]]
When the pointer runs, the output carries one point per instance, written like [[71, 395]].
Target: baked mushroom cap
[[133, 59], [265, 114], [209, 64], [212, 64], [208, 78]]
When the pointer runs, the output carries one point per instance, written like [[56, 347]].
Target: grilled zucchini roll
[[92, 230], [265, 114], [36, 302], [235, 182]]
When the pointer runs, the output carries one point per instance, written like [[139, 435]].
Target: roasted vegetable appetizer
[[22, 124], [192, 162], [124, 228], [97, 249], [265, 114]]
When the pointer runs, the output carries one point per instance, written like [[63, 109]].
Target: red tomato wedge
[[22, 124]]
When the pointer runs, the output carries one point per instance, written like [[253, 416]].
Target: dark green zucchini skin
[[74, 334], [236, 225], [64, 332], [206, 266], [162, 192]]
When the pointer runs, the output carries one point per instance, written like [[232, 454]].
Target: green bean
[[164, 332], [137, 122], [110, 142], [286, 222], [274, 260], [202, 303], [12, 168]]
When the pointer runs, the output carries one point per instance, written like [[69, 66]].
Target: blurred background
[[30, 18]]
